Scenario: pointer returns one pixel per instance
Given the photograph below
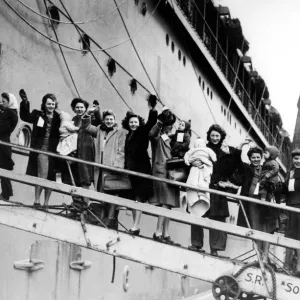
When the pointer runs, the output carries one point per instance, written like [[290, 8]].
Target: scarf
[[107, 129]]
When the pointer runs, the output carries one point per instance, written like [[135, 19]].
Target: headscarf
[[13, 102]]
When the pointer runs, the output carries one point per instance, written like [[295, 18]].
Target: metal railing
[[204, 32]]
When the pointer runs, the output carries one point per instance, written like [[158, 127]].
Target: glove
[[23, 95], [152, 100]]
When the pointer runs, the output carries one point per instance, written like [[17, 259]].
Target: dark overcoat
[[164, 194], [224, 167], [137, 157], [85, 151], [38, 135], [8, 122]]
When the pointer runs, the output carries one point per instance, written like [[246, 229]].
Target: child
[[269, 174], [180, 141], [199, 202], [68, 135]]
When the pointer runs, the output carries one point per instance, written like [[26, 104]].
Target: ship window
[[199, 79], [203, 85], [85, 41], [179, 54], [207, 91], [240, 131], [224, 112], [53, 13], [230, 119], [211, 95], [136, 2], [235, 125], [24, 136], [167, 39], [184, 60], [221, 108], [173, 46], [111, 65]]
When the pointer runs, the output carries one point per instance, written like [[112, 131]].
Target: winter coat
[[8, 122], [292, 190], [161, 151], [224, 167], [37, 137], [109, 147], [179, 148], [270, 170], [85, 151], [137, 157]]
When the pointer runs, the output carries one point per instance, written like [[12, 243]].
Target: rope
[[272, 272], [113, 270], [96, 60], [62, 53], [135, 49], [64, 45], [78, 22]]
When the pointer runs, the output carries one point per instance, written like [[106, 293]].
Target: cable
[[78, 22], [136, 52], [107, 77], [62, 54]]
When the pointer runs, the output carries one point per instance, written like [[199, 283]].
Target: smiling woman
[[45, 136]]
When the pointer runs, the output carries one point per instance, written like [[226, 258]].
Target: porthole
[[85, 42], [184, 60], [53, 13], [173, 46], [235, 125], [240, 131], [167, 39], [224, 112], [199, 80], [221, 108], [207, 91], [179, 54], [211, 95], [24, 136], [203, 85]]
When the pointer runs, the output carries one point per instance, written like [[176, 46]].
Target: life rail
[[151, 177]]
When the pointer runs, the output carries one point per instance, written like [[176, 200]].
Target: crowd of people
[[94, 135]]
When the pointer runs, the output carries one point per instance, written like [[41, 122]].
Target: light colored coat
[[199, 202], [109, 152], [161, 151]]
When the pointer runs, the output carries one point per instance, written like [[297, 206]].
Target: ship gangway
[[231, 279]]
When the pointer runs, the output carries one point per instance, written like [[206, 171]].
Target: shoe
[[169, 241], [196, 248], [214, 253], [110, 223], [37, 205], [134, 232], [158, 238], [3, 198]]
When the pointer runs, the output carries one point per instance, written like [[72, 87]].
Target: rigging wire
[[135, 49], [62, 54], [78, 22], [107, 77], [77, 49]]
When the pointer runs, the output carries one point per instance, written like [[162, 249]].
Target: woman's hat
[[79, 100], [296, 152], [108, 112]]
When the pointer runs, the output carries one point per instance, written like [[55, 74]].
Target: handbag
[[116, 182], [177, 170]]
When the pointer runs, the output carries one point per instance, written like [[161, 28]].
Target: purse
[[177, 170], [116, 182]]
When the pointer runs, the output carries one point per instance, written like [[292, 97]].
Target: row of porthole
[[208, 90], [228, 115], [180, 56]]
